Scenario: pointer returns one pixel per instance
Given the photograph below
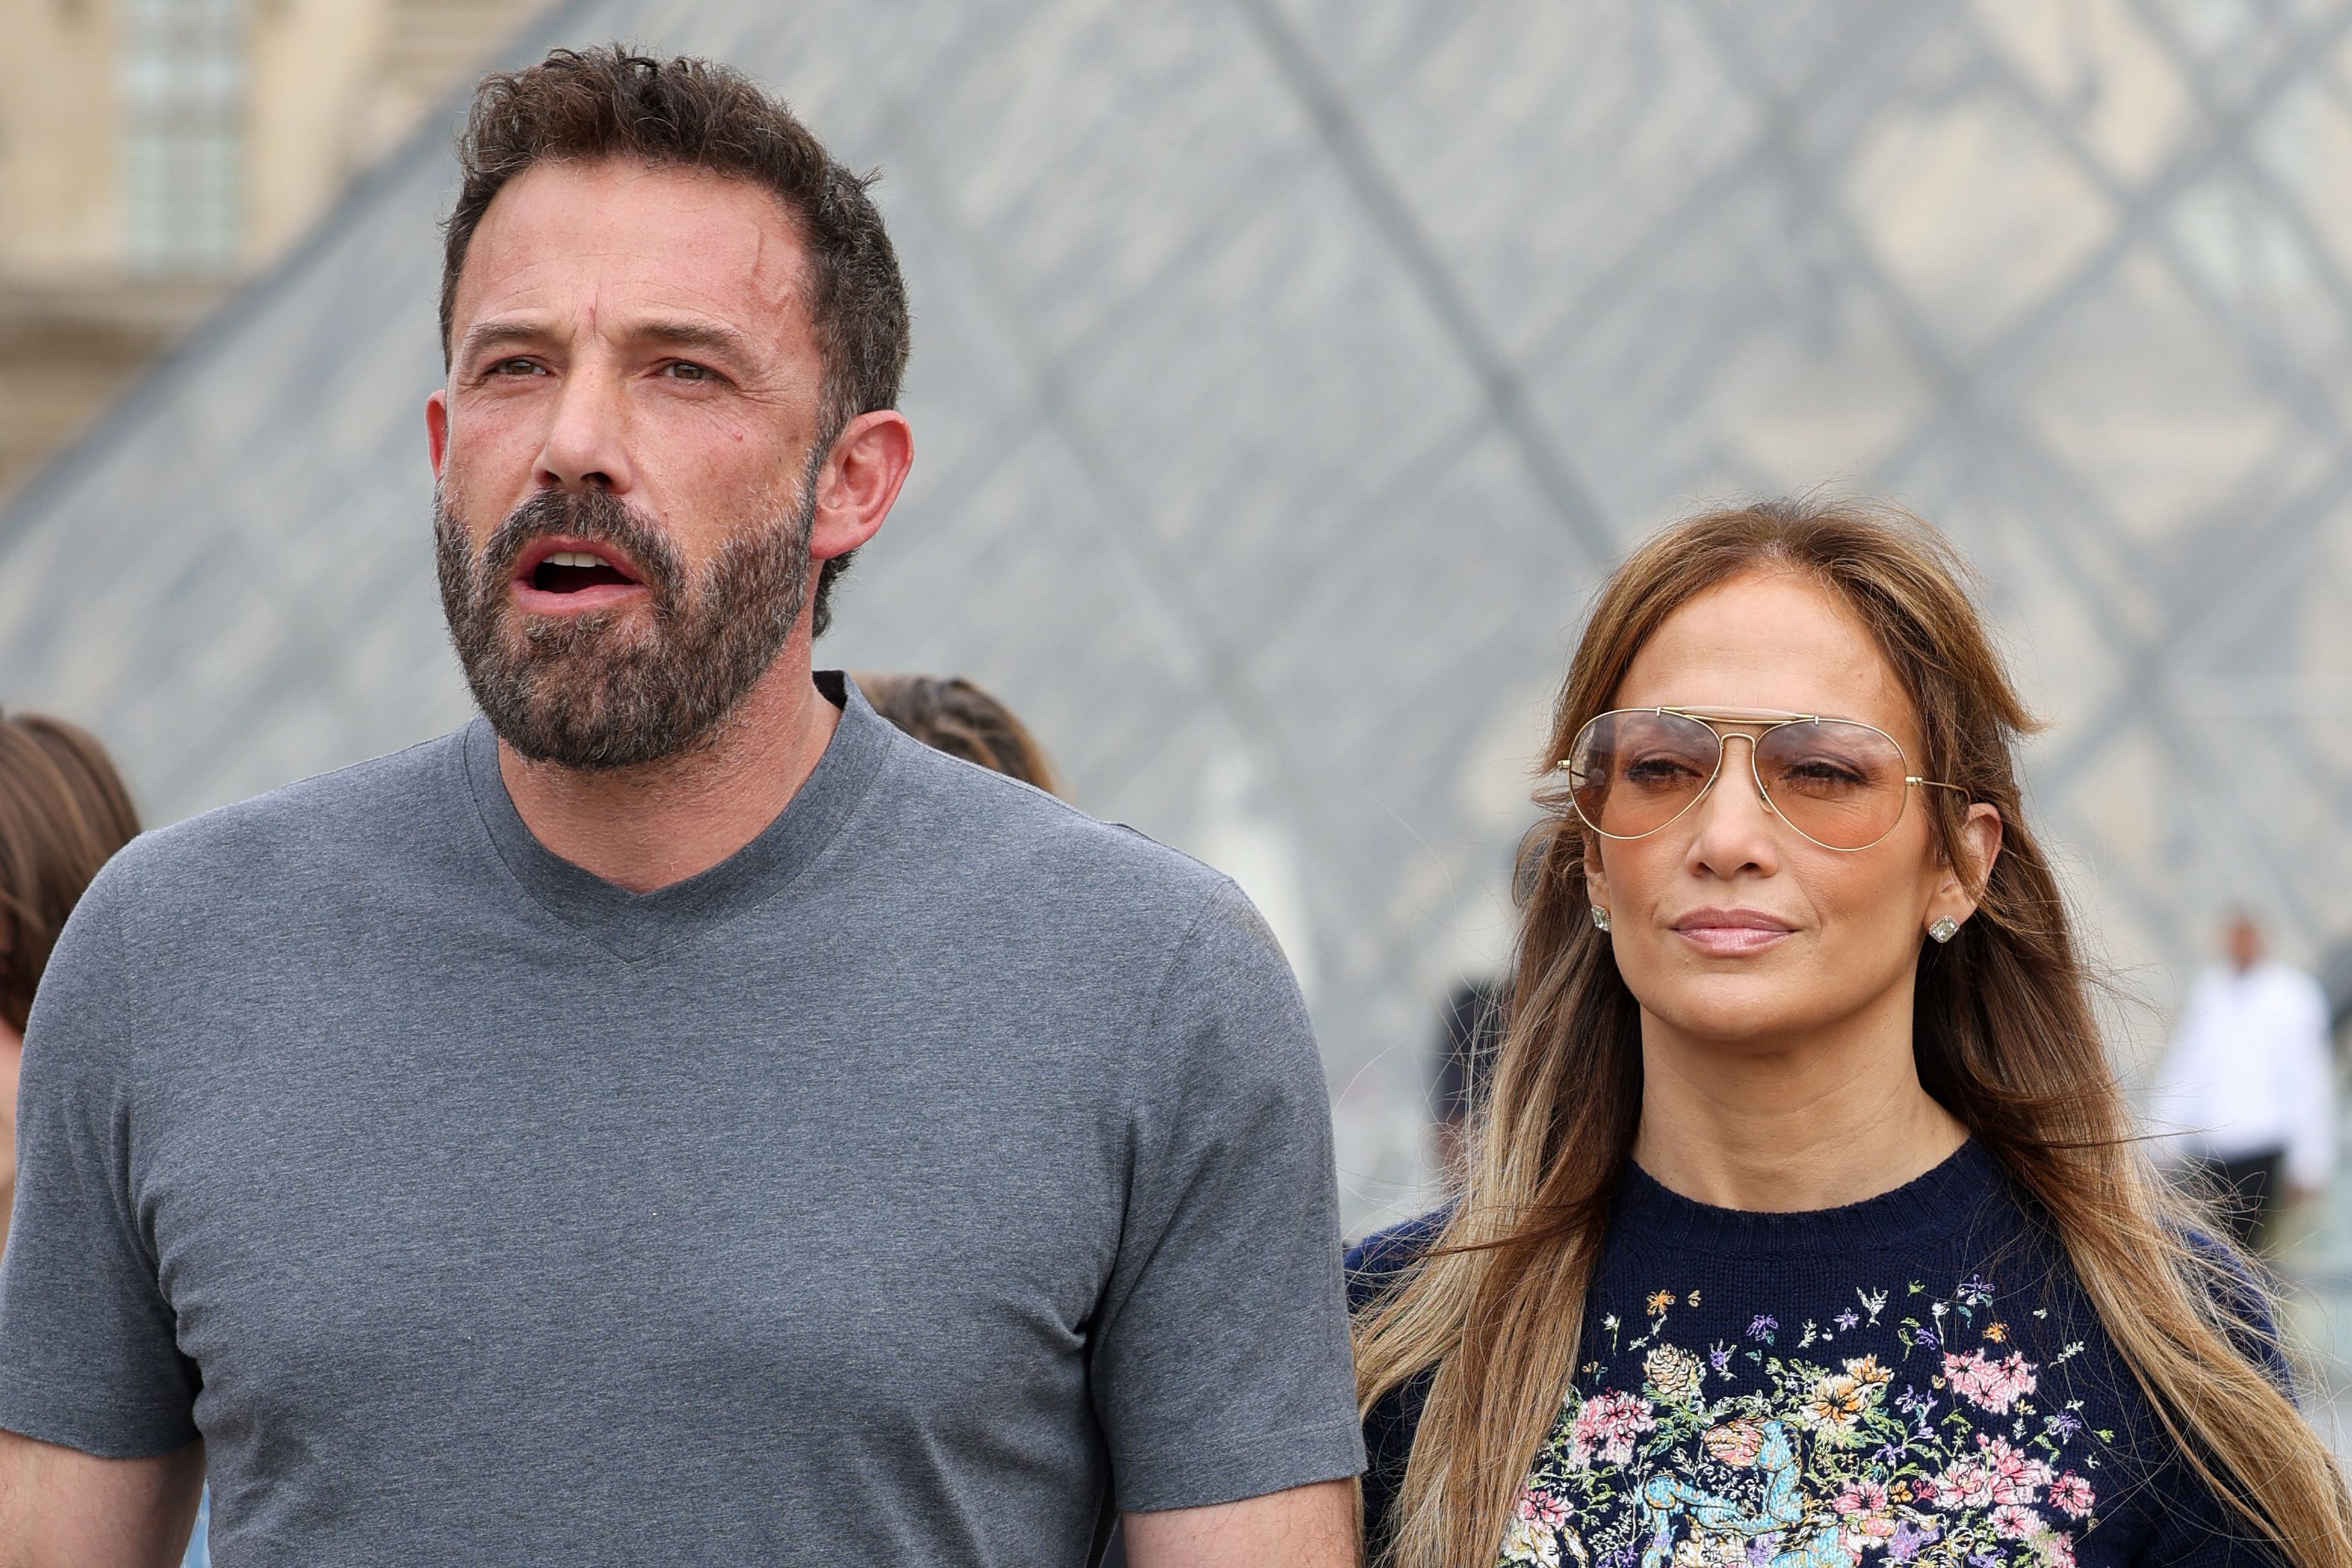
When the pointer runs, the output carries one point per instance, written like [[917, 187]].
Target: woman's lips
[[1731, 933]]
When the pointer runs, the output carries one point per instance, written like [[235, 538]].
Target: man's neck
[[644, 828]]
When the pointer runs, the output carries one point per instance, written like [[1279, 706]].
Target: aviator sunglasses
[[1842, 783]]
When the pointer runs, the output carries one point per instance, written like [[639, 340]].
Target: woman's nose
[[1736, 829]]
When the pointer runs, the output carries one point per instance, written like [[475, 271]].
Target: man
[[2248, 1092], [678, 1118]]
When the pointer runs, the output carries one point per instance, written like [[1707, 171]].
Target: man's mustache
[[592, 517]]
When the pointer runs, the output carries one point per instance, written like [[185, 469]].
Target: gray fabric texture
[[880, 1194]]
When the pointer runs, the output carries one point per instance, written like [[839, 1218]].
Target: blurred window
[[183, 83]]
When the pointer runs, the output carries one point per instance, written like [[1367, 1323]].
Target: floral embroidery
[[1742, 1456]]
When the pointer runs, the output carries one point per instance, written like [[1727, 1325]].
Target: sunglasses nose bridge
[[1722, 739]]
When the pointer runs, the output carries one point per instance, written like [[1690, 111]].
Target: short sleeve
[[89, 1357], [1220, 1358]]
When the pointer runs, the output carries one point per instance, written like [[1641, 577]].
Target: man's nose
[[586, 446]]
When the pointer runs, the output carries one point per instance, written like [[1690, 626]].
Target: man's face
[[625, 457]]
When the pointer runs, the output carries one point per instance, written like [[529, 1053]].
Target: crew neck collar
[[637, 924], [1943, 1202]]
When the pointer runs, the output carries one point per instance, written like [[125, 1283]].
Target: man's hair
[[63, 811], [583, 105]]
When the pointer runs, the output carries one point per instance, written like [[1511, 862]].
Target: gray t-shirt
[[880, 1194]]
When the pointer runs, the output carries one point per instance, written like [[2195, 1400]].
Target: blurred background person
[[63, 811], [1467, 1036], [950, 714], [2247, 1095]]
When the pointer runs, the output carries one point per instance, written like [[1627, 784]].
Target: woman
[[950, 714], [1804, 1227], [63, 810]]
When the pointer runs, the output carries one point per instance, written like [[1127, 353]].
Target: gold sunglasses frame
[[1764, 721]]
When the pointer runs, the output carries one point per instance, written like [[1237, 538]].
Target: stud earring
[[1945, 929], [1599, 918]]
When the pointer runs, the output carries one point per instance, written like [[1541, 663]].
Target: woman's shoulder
[[2243, 1300], [1381, 1260]]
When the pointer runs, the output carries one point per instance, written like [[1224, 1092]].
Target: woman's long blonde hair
[[2003, 1033]]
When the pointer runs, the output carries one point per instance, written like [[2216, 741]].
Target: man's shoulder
[[958, 811], [325, 819]]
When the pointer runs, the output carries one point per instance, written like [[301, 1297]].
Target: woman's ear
[[1596, 880], [1960, 886]]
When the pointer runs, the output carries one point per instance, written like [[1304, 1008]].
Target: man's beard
[[601, 689]]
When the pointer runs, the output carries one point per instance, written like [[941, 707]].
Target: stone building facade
[[153, 152]]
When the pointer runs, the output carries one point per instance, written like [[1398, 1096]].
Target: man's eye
[[515, 367], [687, 370]]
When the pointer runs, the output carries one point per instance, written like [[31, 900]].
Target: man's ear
[[860, 482], [437, 431]]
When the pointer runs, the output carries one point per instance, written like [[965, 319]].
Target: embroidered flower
[[2011, 1522], [2017, 1478], [2072, 1495], [1861, 1497], [1865, 1369], [1839, 1400], [1674, 1374], [1606, 1427], [1736, 1443], [1994, 1384], [1865, 1516], [1528, 1541], [1665, 1467], [1965, 1484], [1837, 1403], [1909, 1539]]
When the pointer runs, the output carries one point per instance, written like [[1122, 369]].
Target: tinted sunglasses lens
[[1839, 784], [1632, 773]]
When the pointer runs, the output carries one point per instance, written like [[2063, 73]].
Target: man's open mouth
[[566, 568]]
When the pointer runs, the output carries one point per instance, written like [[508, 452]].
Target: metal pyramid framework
[[1287, 370]]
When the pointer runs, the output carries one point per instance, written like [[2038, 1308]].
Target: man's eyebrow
[[500, 335], [704, 335]]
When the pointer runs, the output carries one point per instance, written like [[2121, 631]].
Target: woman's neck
[[1833, 1119]]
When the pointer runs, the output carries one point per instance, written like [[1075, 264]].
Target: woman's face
[[1729, 926]]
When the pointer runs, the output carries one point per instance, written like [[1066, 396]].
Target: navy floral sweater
[[1915, 1379]]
